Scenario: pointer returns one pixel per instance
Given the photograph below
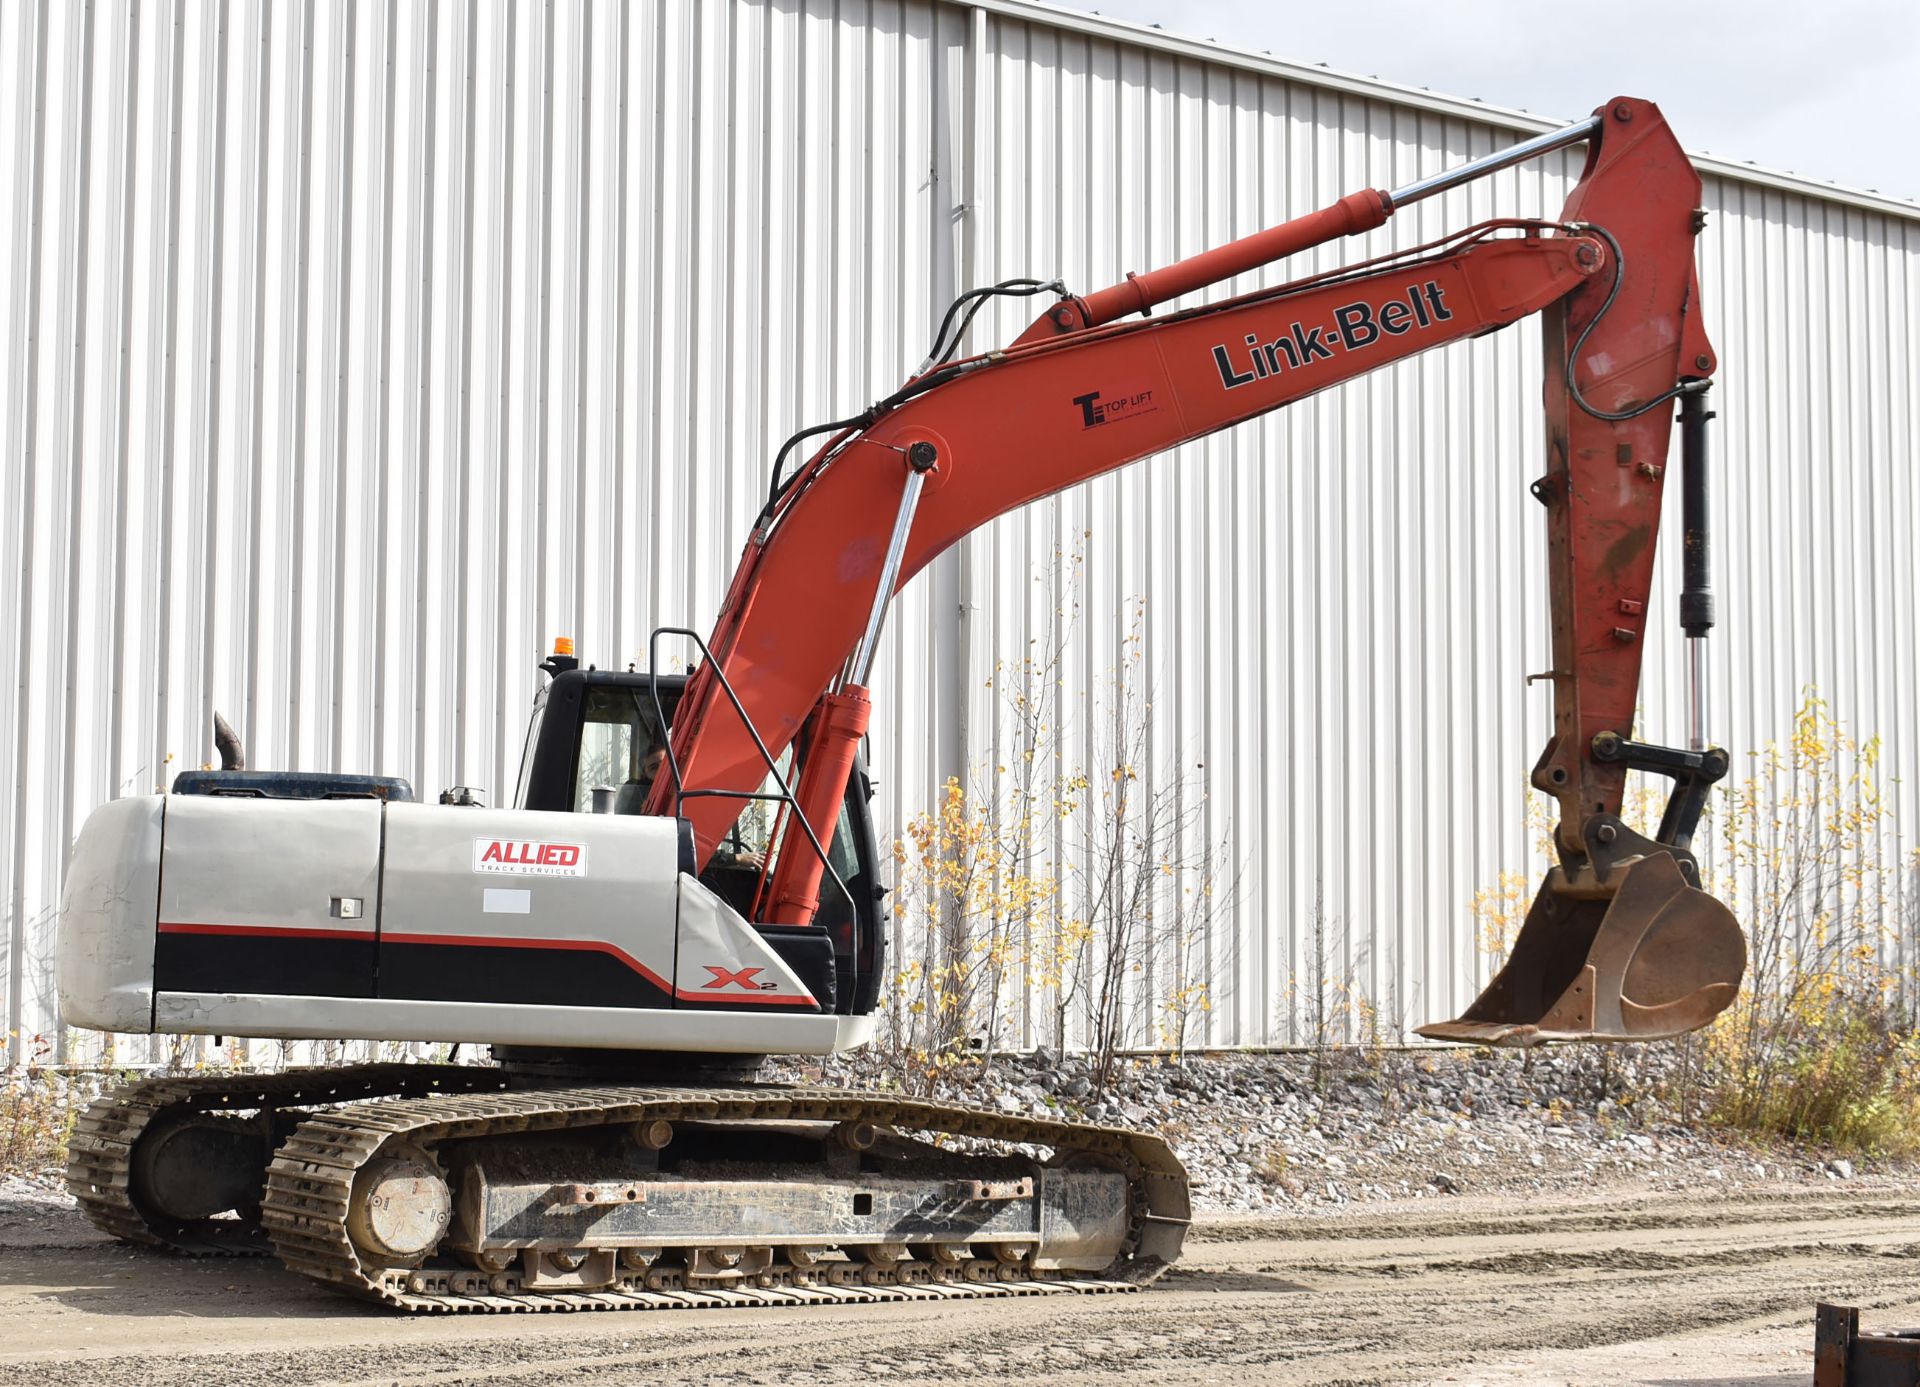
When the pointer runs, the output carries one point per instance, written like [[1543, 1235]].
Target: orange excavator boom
[[1621, 942]]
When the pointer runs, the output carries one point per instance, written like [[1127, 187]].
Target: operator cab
[[596, 743]]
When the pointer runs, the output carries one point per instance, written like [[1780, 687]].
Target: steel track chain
[[100, 1149], [310, 1182]]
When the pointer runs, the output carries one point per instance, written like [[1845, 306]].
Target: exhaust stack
[[226, 741]]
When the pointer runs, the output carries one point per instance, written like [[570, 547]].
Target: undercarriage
[[471, 1188]]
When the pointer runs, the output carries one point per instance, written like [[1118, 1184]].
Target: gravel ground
[[1276, 1132], [35, 1210], [1272, 1132], [1394, 1218], [1599, 1291]]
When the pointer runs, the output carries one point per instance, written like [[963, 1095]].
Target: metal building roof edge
[[1378, 89]]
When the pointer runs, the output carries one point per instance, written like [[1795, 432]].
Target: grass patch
[[1844, 1077], [38, 1108], [1271, 1166]]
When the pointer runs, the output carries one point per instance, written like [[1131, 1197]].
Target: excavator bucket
[[1658, 958]]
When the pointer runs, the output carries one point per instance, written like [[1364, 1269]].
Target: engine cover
[[390, 920]]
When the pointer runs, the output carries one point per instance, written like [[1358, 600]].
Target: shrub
[[1820, 1045], [1820, 1041], [37, 1111]]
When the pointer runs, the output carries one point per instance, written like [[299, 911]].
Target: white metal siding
[[349, 352]]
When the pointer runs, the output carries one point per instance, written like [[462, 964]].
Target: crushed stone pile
[[1269, 1132], [1329, 1131]]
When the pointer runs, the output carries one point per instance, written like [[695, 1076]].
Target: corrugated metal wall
[[351, 351]]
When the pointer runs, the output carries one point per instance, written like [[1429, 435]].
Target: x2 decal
[[727, 977]]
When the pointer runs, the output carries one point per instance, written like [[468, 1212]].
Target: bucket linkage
[[1620, 943]]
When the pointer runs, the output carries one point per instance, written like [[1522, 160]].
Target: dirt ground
[[1603, 1289]]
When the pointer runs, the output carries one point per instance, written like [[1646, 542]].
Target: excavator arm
[[1621, 941]]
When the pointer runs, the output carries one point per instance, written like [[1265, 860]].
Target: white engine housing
[[363, 919]]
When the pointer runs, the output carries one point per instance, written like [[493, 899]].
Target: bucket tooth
[[1657, 959]]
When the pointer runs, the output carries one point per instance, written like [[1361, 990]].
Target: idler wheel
[[400, 1207]]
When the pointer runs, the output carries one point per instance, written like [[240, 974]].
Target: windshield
[[522, 785], [622, 747]]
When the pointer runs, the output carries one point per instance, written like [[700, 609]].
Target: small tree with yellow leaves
[[1077, 885], [1820, 1042], [955, 891]]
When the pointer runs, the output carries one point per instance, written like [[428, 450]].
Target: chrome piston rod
[[1545, 143], [1696, 693], [921, 459]]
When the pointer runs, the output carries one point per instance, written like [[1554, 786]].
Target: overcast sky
[[1829, 89]]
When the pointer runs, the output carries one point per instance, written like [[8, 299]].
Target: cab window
[[754, 842], [621, 745]]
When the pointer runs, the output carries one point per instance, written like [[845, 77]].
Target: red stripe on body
[[277, 931]]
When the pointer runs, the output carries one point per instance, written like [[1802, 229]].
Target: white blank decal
[[497, 900]]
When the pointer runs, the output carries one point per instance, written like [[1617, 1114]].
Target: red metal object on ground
[[1844, 1357]]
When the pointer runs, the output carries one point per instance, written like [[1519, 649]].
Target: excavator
[[687, 882]]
